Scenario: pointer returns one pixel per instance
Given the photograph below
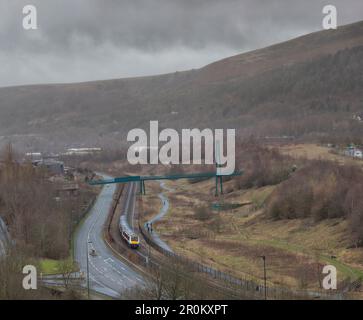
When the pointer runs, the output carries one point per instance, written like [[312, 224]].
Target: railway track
[[146, 259], [128, 208], [107, 274], [232, 288]]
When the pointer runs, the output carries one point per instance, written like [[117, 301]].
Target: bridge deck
[[162, 177]]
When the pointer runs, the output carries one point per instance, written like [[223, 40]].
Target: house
[[34, 156], [82, 151], [358, 154], [54, 166], [358, 117], [353, 151], [350, 151]]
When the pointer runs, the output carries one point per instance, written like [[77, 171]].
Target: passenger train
[[127, 234]]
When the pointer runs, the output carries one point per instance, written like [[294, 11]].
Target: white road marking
[[105, 266]]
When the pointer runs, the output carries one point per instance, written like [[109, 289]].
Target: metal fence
[[246, 286]]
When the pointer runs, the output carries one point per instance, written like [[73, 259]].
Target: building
[[82, 151], [54, 166], [34, 156], [353, 151]]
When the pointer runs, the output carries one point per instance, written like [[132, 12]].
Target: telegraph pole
[[264, 275], [88, 242]]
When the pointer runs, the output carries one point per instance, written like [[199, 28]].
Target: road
[[108, 275]]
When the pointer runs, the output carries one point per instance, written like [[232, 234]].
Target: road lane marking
[[97, 212]]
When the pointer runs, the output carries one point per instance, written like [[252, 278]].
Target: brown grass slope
[[309, 86]]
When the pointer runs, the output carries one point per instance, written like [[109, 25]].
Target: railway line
[[114, 268], [157, 259], [214, 279], [128, 209], [107, 273]]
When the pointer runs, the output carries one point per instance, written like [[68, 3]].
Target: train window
[[134, 238]]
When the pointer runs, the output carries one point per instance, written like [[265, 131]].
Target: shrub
[[322, 190], [202, 213], [262, 166]]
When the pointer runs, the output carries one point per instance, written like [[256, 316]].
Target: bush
[[37, 221], [202, 213], [322, 190], [262, 166]]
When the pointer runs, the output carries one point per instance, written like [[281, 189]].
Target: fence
[[253, 288], [247, 287]]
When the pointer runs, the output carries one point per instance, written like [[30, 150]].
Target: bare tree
[[66, 268]]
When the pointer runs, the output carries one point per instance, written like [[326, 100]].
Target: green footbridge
[[142, 179]]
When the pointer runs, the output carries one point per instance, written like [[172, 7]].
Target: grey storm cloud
[[96, 39]]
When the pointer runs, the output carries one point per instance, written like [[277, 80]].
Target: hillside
[[308, 87], [300, 221]]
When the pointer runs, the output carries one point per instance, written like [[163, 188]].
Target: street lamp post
[[88, 242], [264, 275]]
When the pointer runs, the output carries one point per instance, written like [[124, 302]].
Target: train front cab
[[134, 242]]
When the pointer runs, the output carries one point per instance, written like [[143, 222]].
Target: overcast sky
[[81, 40]]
